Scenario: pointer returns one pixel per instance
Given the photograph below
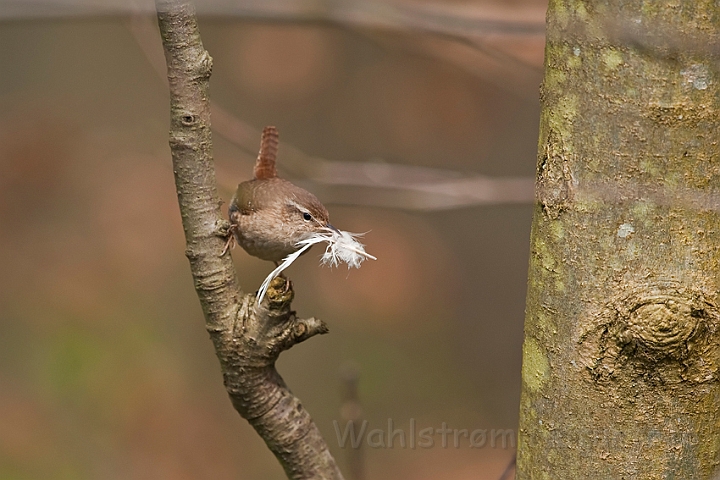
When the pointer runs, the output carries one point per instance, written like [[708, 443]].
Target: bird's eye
[[307, 217]]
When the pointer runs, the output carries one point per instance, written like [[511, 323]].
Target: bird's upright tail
[[265, 163]]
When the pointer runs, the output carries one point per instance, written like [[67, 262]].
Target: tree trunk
[[620, 360]]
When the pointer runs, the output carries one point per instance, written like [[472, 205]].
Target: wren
[[269, 216], [274, 220]]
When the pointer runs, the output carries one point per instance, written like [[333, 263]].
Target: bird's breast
[[265, 238]]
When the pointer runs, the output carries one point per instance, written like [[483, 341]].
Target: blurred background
[[415, 122]]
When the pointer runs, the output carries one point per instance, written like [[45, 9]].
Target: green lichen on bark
[[622, 310]]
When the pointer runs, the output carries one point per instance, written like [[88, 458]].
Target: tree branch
[[247, 340]]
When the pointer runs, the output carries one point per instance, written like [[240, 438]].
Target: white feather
[[341, 247]]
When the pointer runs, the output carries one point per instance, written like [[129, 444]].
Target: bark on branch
[[247, 340]]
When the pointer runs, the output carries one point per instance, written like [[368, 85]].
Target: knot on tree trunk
[[663, 332]]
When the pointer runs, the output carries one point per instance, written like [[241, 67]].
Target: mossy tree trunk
[[622, 335]]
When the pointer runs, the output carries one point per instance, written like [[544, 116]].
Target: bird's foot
[[288, 283], [230, 244], [280, 290]]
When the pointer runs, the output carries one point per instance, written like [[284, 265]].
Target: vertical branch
[[247, 340], [189, 68], [351, 411]]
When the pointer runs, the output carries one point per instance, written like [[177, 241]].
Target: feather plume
[[341, 247]]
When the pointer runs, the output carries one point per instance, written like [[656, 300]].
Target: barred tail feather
[[265, 164]]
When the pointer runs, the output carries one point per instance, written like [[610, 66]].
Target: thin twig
[[509, 469], [352, 183], [436, 17], [351, 411]]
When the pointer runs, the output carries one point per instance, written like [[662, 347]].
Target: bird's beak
[[332, 228]]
